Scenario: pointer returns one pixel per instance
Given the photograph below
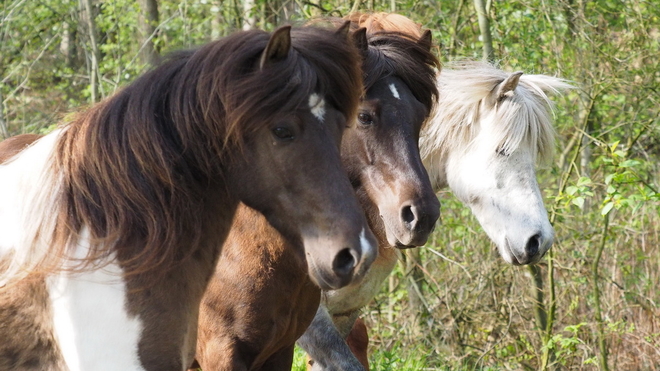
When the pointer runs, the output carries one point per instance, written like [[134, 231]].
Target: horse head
[[381, 153], [489, 128], [300, 186]]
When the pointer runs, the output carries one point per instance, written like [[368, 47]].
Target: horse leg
[[358, 341], [326, 345]]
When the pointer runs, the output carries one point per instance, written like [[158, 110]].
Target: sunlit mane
[[524, 118], [395, 50], [389, 22]]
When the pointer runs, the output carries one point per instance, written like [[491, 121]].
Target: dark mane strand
[[137, 168], [394, 50], [397, 54]]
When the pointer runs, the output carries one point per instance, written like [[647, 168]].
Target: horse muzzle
[[331, 268]]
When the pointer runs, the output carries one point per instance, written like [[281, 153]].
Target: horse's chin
[[401, 246], [393, 241], [506, 252], [401, 240], [324, 280]]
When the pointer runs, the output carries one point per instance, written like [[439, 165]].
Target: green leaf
[[608, 179], [571, 190], [583, 181], [629, 163], [607, 208], [614, 145], [578, 201]]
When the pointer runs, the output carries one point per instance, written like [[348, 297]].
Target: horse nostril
[[408, 216], [344, 262], [532, 247]]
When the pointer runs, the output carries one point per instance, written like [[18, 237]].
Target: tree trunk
[[147, 24], [484, 27], [218, 21], [454, 30], [249, 15], [286, 10], [94, 52], [68, 45]]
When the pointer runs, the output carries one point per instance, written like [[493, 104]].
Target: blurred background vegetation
[[594, 301]]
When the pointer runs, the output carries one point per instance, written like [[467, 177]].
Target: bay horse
[[487, 132], [251, 317], [110, 226]]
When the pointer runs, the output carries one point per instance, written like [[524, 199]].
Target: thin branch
[[602, 345], [356, 6], [4, 131]]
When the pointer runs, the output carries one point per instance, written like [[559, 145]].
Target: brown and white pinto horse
[[111, 226], [251, 317]]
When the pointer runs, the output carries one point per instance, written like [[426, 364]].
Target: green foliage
[[299, 360]]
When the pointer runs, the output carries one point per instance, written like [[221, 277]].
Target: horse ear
[[360, 40], [426, 40], [343, 29], [509, 84], [278, 47]]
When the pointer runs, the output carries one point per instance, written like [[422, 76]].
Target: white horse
[[489, 129]]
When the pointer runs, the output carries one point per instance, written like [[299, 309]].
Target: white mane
[[523, 118]]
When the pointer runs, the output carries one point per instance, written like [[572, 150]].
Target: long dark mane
[[136, 168]]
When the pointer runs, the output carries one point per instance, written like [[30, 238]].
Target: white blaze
[[394, 91], [317, 106]]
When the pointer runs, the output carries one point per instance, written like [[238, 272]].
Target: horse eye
[[365, 119], [283, 133]]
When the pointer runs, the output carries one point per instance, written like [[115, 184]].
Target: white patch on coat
[[395, 92], [317, 106], [28, 192], [91, 324]]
